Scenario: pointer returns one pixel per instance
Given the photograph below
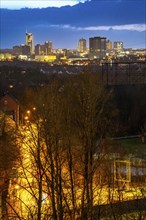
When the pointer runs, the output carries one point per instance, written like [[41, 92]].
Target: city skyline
[[116, 20], [97, 44]]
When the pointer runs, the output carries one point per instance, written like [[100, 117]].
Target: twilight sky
[[117, 20]]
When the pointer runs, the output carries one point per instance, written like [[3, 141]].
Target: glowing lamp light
[[26, 117], [17, 187]]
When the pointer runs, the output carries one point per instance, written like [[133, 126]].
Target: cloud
[[64, 26], [15, 4], [127, 27]]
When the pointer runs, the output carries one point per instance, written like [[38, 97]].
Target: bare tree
[[58, 170]]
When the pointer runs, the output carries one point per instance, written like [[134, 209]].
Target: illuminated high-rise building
[[30, 42], [82, 46]]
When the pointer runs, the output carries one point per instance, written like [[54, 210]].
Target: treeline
[[129, 100]]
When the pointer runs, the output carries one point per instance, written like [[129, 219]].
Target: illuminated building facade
[[82, 46], [30, 42]]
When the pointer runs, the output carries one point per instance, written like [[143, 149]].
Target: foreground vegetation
[[56, 169], [63, 170]]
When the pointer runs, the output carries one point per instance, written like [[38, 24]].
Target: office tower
[[103, 44], [109, 45], [94, 44], [118, 45], [97, 45], [42, 49], [47, 47], [82, 46], [38, 49], [30, 42]]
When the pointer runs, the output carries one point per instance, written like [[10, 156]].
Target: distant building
[[38, 49], [103, 45], [17, 50], [97, 46], [118, 45], [94, 44], [30, 42], [45, 58], [82, 46], [109, 45], [43, 49], [47, 47], [25, 50], [22, 57]]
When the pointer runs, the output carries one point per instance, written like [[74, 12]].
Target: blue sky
[[117, 20]]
